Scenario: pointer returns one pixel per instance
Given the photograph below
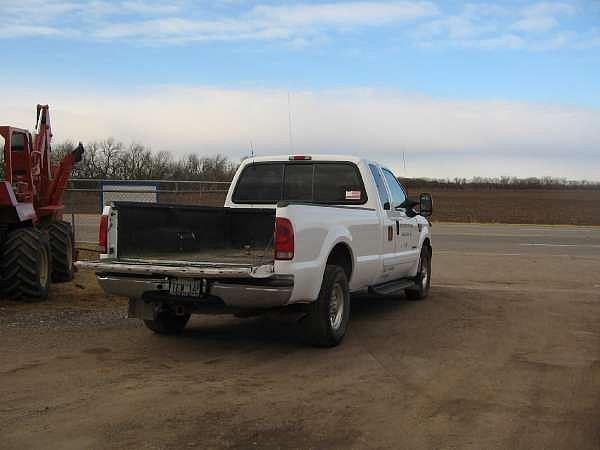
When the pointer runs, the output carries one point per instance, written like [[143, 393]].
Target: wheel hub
[[424, 274], [336, 306]]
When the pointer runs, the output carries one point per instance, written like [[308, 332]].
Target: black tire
[[325, 325], [423, 278], [167, 322], [62, 250], [25, 265]]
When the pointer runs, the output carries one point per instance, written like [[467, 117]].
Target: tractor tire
[[61, 250], [25, 265]]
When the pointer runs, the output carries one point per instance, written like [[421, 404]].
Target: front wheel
[[327, 319], [25, 265], [167, 322], [62, 250], [423, 278]]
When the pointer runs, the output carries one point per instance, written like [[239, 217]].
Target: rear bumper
[[271, 292]]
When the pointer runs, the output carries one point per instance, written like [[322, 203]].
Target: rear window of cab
[[314, 182]]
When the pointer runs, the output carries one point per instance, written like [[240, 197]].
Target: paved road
[[517, 240]]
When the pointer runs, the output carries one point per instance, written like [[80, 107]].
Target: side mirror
[[425, 204], [386, 206], [407, 204]]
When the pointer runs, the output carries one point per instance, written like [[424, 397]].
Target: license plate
[[187, 287]]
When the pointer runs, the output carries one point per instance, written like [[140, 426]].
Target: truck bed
[[198, 234]]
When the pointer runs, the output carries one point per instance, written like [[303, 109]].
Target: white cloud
[[294, 23], [543, 16], [454, 27], [549, 9], [145, 7], [344, 14], [536, 24], [16, 30], [479, 10], [75, 18], [526, 26], [506, 41], [357, 121]]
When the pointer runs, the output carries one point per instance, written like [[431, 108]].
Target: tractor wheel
[[61, 251], [25, 264]]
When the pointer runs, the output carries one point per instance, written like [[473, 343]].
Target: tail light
[[284, 239], [103, 234]]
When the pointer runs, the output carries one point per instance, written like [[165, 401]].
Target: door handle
[[397, 227]]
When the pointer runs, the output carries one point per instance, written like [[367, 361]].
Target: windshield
[[315, 182]]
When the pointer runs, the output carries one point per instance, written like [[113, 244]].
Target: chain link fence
[[84, 199]]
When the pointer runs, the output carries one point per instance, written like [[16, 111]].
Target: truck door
[[405, 232], [389, 261]]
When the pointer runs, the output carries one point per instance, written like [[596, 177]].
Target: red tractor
[[36, 245]]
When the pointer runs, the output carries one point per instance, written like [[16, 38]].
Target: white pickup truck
[[297, 233]]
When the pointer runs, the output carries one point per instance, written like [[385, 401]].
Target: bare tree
[[109, 153], [111, 159]]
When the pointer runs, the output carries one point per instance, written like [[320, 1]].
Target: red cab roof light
[[300, 158]]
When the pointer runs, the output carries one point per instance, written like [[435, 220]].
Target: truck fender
[[424, 239], [337, 235]]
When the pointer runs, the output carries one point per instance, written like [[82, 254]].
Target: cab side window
[[383, 195], [398, 194], [17, 142]]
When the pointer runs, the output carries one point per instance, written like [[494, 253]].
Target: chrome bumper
[[271, 293]]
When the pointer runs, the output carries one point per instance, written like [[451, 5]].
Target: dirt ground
[[504, 354]]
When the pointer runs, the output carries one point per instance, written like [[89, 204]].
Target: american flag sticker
[[352, 195]]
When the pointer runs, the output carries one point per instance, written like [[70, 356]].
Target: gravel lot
[[504, 354]]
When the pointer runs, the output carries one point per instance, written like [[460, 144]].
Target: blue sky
[[454, 84]]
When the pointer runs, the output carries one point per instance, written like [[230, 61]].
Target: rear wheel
[[61, 248], [25, 264], [327, 319], [423, 278], [167, 322]]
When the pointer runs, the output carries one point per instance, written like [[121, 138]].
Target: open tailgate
[[184, 269]]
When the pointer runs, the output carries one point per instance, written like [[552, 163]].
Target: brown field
[[549, 206]]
